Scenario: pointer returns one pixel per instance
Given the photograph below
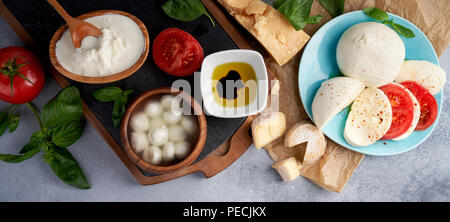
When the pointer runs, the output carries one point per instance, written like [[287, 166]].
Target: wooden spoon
[[78, 28]]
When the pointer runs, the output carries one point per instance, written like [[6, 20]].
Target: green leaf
[[297, 12], [63, 108], [3, 122], [10, 158], [185, 10], [128, 92], [13, 122], [67, 134], [334, 7], [66, 167], [376, 14], [119, 110], [402, 30], [37, 140], [107, 94], [278, 3]]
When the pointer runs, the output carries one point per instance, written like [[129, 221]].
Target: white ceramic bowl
[[248, 56]]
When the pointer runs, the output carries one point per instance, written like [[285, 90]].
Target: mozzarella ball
[[176, 133], [189, 125], [371, 52], [166, 101], [139, 122], [152, 155], [172, 117], [158, 135], [153, 109], [168, 153], [182, 149], [139, 141], [156, 122]]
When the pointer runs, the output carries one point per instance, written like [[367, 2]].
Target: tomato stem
[[35, 112]]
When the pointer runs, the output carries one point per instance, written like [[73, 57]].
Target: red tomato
[[177, 53], [24, 70], [428, 104], [402, 110]]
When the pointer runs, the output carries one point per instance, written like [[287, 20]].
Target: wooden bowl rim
[[202, 133], [101, 79]]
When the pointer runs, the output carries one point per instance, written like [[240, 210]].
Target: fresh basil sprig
[[383, 17], [185, 10], [61, 126], [9, 119], [334, 7], [120, 98], [297, 12]]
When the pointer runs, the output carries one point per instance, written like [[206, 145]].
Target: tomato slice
[[176, 52], [402, 110], [428, 104]]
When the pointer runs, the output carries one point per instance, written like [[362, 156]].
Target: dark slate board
[[41, 22]]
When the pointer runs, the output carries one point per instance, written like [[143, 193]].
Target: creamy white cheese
[[118, 48]]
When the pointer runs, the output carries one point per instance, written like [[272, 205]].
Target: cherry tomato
[[402, 110], [176, 52], [428, 104], [24, 71]]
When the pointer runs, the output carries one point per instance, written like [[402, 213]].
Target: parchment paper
[[337, 165]]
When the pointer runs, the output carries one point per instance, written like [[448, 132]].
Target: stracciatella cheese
[[371, 52], [118, 48]]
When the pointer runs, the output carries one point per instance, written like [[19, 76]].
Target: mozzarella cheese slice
[[427, 74], [415, 118], [370, 118], [332, 97]]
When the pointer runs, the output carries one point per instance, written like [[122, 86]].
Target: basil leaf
[[67, 134], [10, 158], [278, 3], [63, 108], [402, 30], [334, 7], [314, 19], [185, 10], [128, 92], [106, 94], [37, 140], [376, 14], [3, 122], [297, 12], [119, 110], [66, 167], [13, 122]]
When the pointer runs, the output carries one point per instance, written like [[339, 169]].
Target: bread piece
[[288, 169], [268, 127], [302, 132], [269, 27]]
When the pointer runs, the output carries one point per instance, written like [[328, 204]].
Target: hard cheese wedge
[[267, 128], [302, 132], [288, 169], [427, 74], [369, 119], [269, 27]]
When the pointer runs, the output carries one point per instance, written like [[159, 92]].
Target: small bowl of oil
[[234, 83]]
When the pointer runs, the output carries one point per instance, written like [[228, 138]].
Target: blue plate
[[319, 64]]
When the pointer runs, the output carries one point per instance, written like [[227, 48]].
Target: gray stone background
[[422, 174]]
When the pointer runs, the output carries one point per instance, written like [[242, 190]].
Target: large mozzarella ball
[[182, 149], [166, 101], [139, 122], [153, 109], [371, 52], [139, 141], [156, 122], [189, 124], [176, 133], [172, 117], [158, 135], [168, 153], [152, 155]]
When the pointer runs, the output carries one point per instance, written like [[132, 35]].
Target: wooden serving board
[[35, 23]]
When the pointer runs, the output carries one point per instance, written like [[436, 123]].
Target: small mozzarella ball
[[153, 109], [139, 122], [158, 136], [182, 149], [189, 125], [168, 153], [172, 117], [166, 101], [176, 133], [139, 141], [156, 122], [152, 155]]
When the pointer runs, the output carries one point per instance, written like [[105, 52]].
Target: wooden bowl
[[136, 104], [101, 79]]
